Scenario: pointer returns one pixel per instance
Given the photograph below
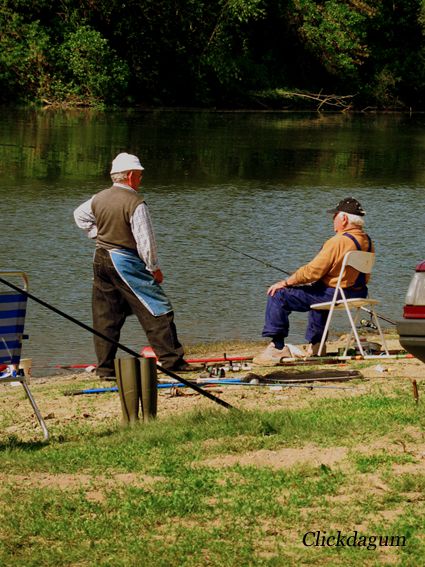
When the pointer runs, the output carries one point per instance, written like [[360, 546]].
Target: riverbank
[[61, 409]]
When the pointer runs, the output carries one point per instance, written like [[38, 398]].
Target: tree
[[23, 62]]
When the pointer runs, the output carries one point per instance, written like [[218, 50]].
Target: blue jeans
[[284, 301]]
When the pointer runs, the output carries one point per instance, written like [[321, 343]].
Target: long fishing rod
[[283, 272], [117, 344], [247, 255]]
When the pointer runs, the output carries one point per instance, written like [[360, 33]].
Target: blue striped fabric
[[7, 330], [12, 313], [12, 320]]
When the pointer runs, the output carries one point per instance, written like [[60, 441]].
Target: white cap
[[126, 162]]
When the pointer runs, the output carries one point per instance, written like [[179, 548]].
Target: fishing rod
[[218, 383], [284, 272], [247, 255], [117, 344]]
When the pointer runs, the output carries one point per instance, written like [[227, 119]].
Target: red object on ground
[[148, 352], [222, 359], [74, 365]]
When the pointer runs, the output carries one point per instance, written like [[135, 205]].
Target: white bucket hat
[[126, 162]]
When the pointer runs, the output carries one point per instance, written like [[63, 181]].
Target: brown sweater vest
[[113, 209]]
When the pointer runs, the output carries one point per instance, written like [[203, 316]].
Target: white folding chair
[[12, 320], [363, 262]]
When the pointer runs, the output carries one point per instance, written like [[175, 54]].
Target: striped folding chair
[[13, 306]]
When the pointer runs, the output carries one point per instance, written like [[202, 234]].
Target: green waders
[[137, 385]]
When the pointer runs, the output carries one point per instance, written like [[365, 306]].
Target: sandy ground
[[60, 409]]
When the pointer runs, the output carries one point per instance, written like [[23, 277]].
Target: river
[[259, 182]]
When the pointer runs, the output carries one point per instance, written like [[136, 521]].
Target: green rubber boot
[[149, 388], [127, 371]]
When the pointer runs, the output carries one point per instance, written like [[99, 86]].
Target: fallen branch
[[343, 102]]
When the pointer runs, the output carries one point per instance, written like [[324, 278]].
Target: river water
[[257, 182]]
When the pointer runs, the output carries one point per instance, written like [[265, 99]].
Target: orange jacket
[[327, 264]]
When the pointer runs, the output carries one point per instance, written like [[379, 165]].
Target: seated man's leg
[[315, 327], [280, 306], [297, 299], [276, 326]]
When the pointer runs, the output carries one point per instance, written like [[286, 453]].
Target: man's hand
[[278, 285], [158, 277]]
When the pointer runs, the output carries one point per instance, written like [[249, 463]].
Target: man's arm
[[318, 267], [313, 271], [142, 229], [85, 219]]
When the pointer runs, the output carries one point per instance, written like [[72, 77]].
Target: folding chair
[[362, 262], [12, 319]]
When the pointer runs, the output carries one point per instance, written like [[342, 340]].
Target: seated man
[[315, 283]]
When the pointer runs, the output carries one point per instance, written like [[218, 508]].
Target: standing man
[[315, 283], [127, 275]]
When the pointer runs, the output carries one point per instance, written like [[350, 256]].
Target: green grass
[[173, 508]]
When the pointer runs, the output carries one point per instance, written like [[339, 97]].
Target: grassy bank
[[217, 487]]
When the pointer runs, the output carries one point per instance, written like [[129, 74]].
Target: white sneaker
[[271, 355]]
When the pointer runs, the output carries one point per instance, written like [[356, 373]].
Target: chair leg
[[381, 334], [347, 344], [353, 323], [326, 329], [36, 410]]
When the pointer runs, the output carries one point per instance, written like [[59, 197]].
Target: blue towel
[[133, 271]]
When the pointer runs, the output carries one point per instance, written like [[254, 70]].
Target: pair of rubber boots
[[137, 386]]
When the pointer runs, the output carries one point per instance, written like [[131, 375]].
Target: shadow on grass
[[14, 442]]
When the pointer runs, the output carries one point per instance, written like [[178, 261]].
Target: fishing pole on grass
[[219, 383], [116, 343], [284, 272]]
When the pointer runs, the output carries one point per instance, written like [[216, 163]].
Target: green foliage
[[23, 62], [394, 75], [227, 54], [91, 69], [194, 52], [334, 32], [57, 63]]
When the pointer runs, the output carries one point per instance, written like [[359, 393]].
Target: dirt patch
[[77, 481], [409, 442], [95, 487], [409, 468], [282, 458]]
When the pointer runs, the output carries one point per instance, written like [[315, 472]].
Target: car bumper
[[412, 336]]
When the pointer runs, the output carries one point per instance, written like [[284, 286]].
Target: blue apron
[[133, 271]]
